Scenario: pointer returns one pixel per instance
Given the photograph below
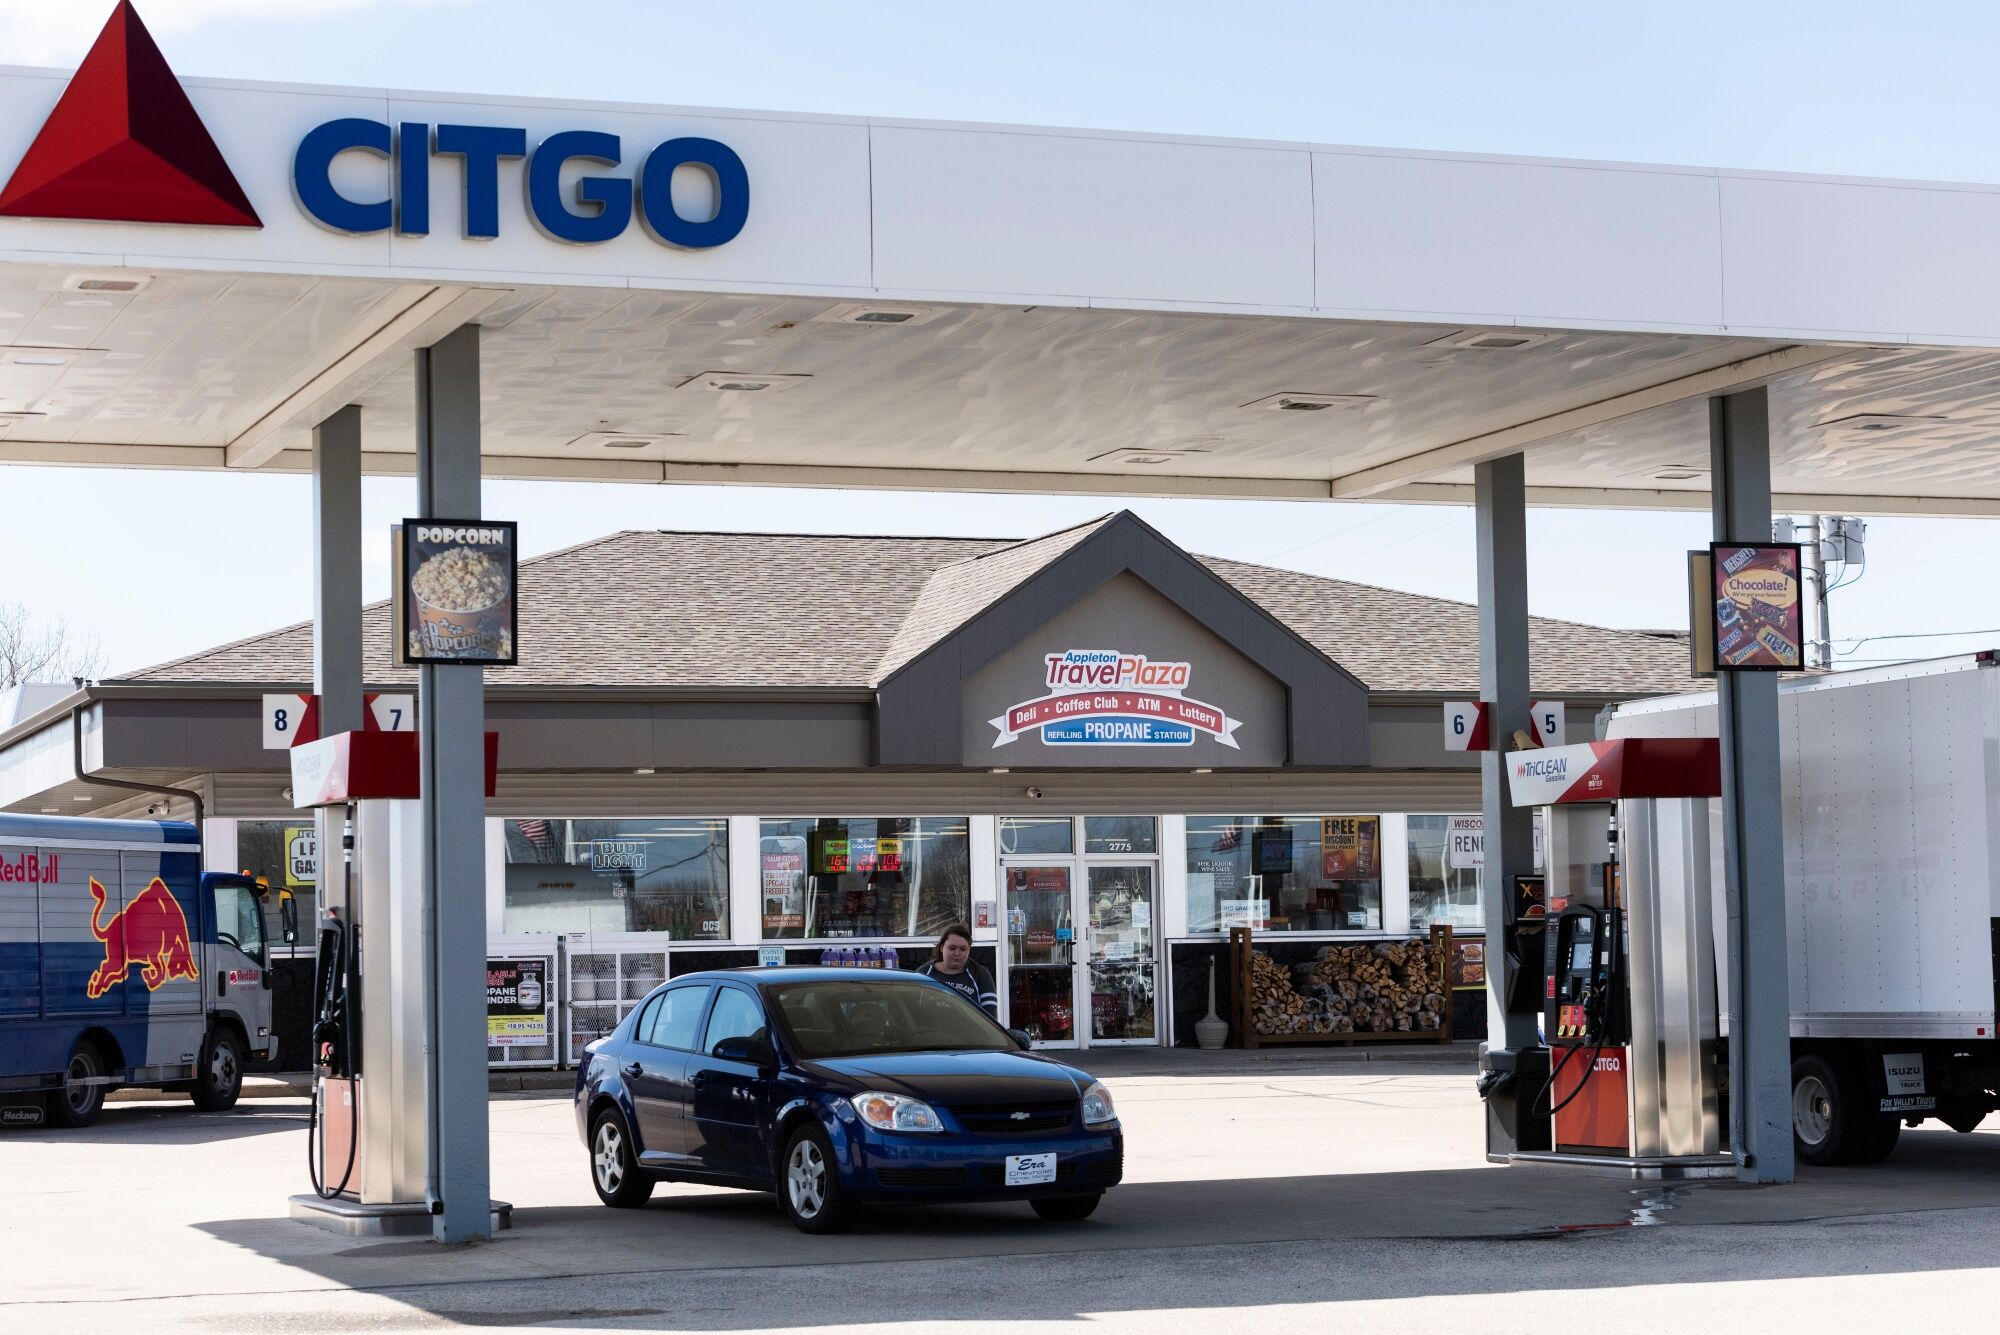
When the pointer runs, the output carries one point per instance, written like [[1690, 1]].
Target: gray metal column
[[451, 715], [1753, 850], [336, 458], [1500, 498]]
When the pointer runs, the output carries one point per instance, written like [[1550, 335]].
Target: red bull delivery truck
[[123, 963]]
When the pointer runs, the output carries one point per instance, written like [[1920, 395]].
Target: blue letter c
[[312, 175]]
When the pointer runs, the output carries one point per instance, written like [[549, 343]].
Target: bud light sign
[[1106, 697]]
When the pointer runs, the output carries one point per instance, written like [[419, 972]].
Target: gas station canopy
[[1000, 308]]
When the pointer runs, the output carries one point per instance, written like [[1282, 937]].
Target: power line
[[1912, 635]]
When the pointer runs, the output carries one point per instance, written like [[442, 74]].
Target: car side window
[[676, 1018], [737, 1014]]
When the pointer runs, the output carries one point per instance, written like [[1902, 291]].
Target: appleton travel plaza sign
[[124, 144], [1102, 697]]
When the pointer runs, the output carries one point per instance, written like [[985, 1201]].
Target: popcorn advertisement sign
[[455, 592], [1759, 615]]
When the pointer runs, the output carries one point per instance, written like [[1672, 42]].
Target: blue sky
[[1831, 88]]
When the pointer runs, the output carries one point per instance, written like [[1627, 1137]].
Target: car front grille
[[920, 1177], [1014, 1119]]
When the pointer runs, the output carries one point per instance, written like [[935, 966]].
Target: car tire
[[1067, 1209], [809, 1190], [614, 1165], [218, 1080], [1878, 1139], [77, 1105]]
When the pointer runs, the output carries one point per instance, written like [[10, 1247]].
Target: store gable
[[1008, 659]]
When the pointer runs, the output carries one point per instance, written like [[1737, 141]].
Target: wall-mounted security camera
[[1034, 792]]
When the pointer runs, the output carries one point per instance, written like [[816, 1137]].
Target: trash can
[[1511, 1081]]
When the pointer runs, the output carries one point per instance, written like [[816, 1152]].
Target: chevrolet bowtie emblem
[[1019, 1117]]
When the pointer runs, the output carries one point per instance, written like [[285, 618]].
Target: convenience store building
[[1095, 748]]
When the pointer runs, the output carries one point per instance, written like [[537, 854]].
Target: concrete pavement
[[1256, 1199]]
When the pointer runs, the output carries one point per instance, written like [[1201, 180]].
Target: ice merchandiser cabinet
[[1624, 978]]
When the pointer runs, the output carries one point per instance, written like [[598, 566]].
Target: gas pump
[[368, 1154], [1586, 1019], [1628, 998]]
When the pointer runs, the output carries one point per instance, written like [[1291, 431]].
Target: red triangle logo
[[125, 145]]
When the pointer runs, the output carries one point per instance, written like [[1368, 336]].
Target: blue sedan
[[834, 1088]]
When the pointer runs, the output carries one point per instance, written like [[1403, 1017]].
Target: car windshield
[[839, 1018]]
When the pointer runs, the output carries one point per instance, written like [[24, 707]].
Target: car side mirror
[[1022, 1039], [745, 1048]]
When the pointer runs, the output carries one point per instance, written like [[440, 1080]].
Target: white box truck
[[1892, 886]]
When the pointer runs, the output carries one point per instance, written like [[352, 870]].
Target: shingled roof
[[733, 610]]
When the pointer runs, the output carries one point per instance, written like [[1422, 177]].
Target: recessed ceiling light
[[864, 313], [106, 282], [1127, 454], [1313, 403], [727, 382], [1879, 421], [79, 797], [1491, 340], [644, 771], [1673, 477], [626, 444]]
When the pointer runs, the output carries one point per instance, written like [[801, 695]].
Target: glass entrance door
[[1040, 949], [1120, 910], [1079, 949]]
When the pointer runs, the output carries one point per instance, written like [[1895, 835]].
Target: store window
[[647, 875], [1036, 835], [1138, 835], [1444, 872], [859, 876], [286, 854], [1284, 873]]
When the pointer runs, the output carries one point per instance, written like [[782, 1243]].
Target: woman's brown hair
[[956, 929]]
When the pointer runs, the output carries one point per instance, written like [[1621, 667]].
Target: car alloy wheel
[[609, 1158], [614, 1165], [805, 1178]]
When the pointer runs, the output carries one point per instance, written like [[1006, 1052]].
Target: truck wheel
[[1828, 1126], [77, 1103], [1878, 1139], [219, 1079]]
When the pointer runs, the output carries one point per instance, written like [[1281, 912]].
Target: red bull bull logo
[[150, 932]]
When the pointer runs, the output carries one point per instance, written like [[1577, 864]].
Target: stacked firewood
[[1385, 987]]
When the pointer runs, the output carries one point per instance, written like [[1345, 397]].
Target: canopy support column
[[1753, 848], [336, 460], [451, 718], [1512, 1047]]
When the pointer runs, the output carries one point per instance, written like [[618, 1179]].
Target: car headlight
[[896, 1112], [1097, 1109]]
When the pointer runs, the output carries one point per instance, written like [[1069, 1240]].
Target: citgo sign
[[603, 205]]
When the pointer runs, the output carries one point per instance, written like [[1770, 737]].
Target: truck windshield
[[237, 922]]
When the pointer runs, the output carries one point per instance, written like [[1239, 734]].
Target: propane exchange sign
[[455, 592]]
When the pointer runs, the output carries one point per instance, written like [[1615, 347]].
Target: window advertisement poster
[[1759, 619], [454, 590], [783, 886], [301, 857], [1465, 843], [517, 1003], [1350, 848], [1468, 963], [1252, 913]]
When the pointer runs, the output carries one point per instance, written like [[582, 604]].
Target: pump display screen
[[1579, 957]]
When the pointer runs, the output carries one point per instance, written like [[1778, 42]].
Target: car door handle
[[698, 1079], [634, 1068]]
